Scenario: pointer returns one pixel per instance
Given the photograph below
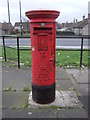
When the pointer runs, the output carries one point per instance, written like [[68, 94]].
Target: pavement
[[16, 86]]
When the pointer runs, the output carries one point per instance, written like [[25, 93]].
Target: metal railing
[[18, 52]]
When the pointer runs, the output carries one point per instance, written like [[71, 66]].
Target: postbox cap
[[37, 14]]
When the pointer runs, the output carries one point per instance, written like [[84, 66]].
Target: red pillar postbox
[[43, 35]]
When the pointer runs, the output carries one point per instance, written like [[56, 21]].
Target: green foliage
[[26, 104], [65, 33], [25, 57], [8, 89], [70, 58], [25, 89], [84, 107], [63, 57]]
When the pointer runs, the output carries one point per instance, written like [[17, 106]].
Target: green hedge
[[65, 33]]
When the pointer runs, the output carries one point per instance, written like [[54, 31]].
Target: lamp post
[[20, 17], [8, 15]]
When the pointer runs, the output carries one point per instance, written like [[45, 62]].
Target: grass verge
[[63, 57]]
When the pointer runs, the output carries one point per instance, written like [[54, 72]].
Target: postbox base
[[43, 94]]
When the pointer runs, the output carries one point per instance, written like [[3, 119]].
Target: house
[[67, 26], [0, 28], [81, 27], [89, 23], [78, 27], [64, 26], [6, 28], [25, 26], [58, 26]]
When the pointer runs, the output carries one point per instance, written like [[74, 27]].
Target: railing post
[[18, 52], [81, 52], [4, 49]]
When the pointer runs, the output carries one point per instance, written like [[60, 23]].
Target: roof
[[26, 25], [5, 26], [81, 24], [67, 25], [58, 25], [0, 25]]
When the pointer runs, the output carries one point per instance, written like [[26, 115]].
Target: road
[[60, 42]]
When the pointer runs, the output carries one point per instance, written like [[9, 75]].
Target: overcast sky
[[69, 9]]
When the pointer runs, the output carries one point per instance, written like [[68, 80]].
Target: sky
[[69, 9]]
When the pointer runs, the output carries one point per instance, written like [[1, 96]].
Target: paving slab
[[20, 85], [64, 85], [29, 113], [81, 76], [18, 79], [13, 99], [73, 113], [61, 74], [82, 91], [44, 113], [81, 88], [15, 78], [62, 99]]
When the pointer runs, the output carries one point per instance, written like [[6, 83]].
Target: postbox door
[[43, 52], [43, 42]]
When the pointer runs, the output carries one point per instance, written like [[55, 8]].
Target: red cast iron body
[[43, 35]]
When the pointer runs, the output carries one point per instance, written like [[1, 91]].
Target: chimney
[[76, 20], [83, 17]]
